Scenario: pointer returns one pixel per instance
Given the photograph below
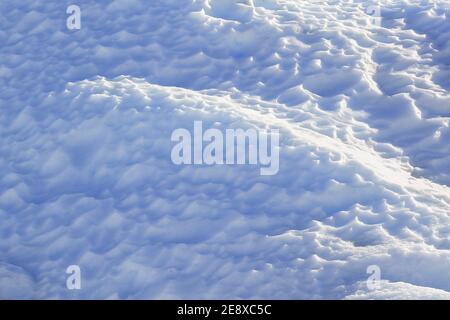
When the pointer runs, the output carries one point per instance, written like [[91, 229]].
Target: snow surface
[[85, 170]]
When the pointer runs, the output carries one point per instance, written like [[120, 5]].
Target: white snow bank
[[103, 192], [399, 290]]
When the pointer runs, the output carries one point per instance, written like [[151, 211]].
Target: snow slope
[[86, 176]]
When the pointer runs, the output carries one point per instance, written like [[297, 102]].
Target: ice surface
[[86, 176]]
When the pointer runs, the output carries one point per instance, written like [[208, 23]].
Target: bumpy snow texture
[[86, 176]]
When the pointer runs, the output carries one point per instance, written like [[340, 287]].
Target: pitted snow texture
[[86, 176]]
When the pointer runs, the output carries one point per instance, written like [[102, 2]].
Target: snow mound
[[104, 192], [399, 290], [86, 176]]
